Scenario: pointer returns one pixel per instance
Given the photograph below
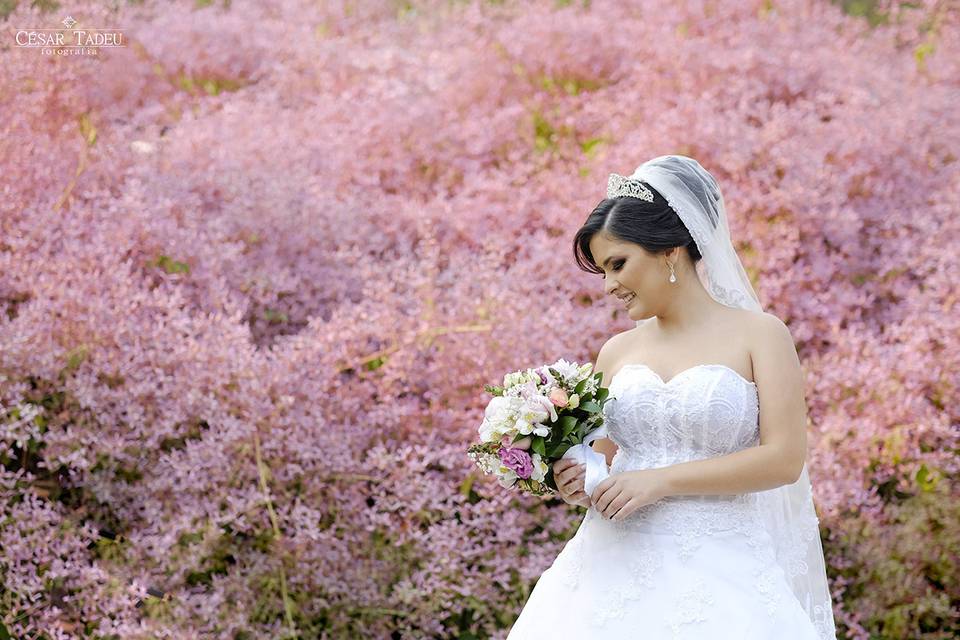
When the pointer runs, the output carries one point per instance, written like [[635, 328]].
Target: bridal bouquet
[[537, 417]]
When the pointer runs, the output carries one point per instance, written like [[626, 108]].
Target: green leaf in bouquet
[[567, 425], [556, 374], [557, 451], [537, 445], [580, 386], [590, 406], [548, 479], [601, 394], [582, 430], [495, 390]]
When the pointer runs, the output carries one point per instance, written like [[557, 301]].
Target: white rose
[[538, 408], [500, 418], [506, 477], [539, 468]]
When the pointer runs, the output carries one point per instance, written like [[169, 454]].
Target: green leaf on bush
[[87, 130], [170, 265], [274, 316], [466, 485], [927, 479], [922, 52], [75, 358]]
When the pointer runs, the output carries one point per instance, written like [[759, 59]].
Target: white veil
[[788, 511]]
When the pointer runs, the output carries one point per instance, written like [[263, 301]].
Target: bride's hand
[[621, 494], [569, 477]]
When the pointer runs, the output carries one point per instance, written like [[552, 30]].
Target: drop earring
[[673, 276]]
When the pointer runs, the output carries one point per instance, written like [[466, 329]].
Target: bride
[[705, 526]]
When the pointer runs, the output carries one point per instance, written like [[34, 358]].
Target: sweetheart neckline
[[677, 375]]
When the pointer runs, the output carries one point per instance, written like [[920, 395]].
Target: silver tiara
[[618, 185]]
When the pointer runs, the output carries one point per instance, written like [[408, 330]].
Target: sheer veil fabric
[[788, 511]]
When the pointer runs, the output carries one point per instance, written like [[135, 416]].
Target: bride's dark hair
[[655, 226]]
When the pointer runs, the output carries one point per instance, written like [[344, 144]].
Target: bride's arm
[[606, 446]]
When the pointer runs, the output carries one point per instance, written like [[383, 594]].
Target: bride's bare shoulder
[[743, 320], [621, 339], [753, 321], [750, 328], [610, 351]]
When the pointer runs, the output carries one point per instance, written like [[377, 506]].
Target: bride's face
[[630, 273]]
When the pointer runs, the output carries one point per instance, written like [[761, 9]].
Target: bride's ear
[[671, 257]]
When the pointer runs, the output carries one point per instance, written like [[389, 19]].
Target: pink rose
[[518, 460], [522, 443], [559, 397]]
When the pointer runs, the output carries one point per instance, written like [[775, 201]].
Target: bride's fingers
[[606, 499], [576, 483], [572, 489], [625, 510], [615, 505], [572, 485], [562, 465], [576, 473], [565, 476]]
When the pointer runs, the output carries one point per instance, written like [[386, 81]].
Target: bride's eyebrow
[[609, 258]]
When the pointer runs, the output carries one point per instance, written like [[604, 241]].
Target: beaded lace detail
[[643, 565], [692, 607]]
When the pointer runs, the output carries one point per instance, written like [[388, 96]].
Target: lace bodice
[[702, 412]]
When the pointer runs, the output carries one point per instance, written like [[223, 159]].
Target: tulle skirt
[[689, 570]]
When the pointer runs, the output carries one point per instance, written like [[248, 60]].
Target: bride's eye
[[618, 264]]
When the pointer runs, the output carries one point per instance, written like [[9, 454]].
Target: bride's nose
[[609, 285]]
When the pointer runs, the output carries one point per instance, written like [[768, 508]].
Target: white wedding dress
[[685, 566]]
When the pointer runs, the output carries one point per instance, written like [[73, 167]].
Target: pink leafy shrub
[[256, 267]]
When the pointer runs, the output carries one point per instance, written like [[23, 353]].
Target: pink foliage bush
[[256, 267]]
